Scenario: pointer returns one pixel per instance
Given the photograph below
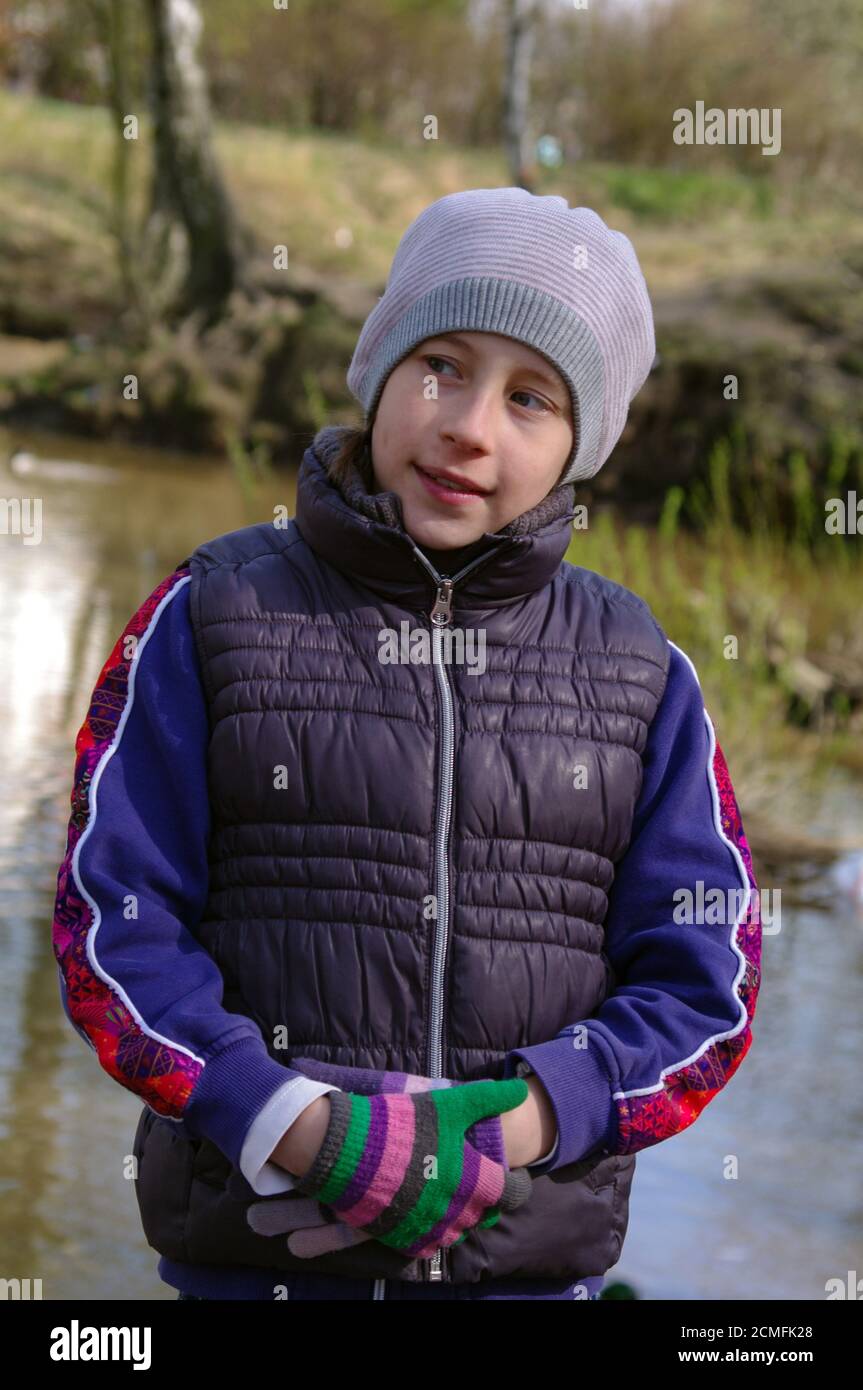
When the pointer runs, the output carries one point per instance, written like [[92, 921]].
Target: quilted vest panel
[[410, 860]]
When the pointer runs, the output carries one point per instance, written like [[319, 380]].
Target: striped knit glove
[[373, 1165], [312, 1228]]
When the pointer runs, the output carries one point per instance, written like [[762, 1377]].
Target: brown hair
[[354, 452]]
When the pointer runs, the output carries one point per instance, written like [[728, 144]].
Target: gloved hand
[[313, 1228], [372, 1165]]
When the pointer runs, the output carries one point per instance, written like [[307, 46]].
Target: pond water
[[114, 522]]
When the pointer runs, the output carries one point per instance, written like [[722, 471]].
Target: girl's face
[[502, 422]]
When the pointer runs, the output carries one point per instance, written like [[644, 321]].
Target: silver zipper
[[440, 617], [379, 1290]]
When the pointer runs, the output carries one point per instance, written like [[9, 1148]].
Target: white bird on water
[[24, 464]]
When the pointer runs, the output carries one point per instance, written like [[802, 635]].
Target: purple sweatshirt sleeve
[[683, 937], [135, 982]]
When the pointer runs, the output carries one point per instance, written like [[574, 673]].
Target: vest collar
[[362, 535]]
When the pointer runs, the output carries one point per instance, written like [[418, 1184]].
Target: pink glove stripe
[[394, 1160], [484, 1180]]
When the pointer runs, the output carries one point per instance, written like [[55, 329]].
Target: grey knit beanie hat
[[502, 260]]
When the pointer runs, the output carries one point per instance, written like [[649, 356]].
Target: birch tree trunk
[[192, 243], [521, 18]]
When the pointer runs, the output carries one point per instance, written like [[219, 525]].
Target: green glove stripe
[[406, 1192]]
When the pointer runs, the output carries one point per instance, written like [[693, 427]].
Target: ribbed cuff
[[579, 1089], [233, 1088]]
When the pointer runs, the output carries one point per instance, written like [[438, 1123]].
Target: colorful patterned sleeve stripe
[[159, 1069], [650, 1115], [678, 1022]]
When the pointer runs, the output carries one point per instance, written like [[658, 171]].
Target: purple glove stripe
[[370, 1161], [462, 1194]]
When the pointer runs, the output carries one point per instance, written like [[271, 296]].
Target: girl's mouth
[[445, 492]]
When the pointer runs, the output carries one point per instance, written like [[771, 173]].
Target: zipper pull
[[442, 611]]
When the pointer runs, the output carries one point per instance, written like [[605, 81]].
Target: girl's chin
[[458, 529]]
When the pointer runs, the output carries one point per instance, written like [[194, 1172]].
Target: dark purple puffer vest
[[428, 890]]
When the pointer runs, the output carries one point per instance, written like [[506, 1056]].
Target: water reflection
[[113, 525], [792, 1116]]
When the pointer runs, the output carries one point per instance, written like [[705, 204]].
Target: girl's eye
[[431, 358], [543, 403]]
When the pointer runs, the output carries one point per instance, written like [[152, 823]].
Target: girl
[[382, 819]]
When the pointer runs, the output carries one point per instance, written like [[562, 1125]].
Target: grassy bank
[[341, 204], [771, 623], [770, 292]]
